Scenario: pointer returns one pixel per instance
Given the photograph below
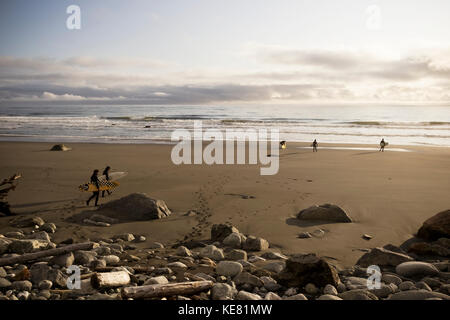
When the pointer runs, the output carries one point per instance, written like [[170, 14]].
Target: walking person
[[95, 194], [106, 174], [382, 145], [314, 145]]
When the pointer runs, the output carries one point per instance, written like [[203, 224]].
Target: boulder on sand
[[60, 147], [302, 269], [133, 207], [438, 226], [382, 257], [324, 212], [220, 231]]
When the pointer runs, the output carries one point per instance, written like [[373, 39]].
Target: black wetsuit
[[315, 146], [106, 174], [95, 194]]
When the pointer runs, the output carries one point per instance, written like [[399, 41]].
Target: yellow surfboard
[[104, 185]]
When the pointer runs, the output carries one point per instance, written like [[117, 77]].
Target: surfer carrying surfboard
[[95, 194], [314, 145], [106, 174], [382, 145]]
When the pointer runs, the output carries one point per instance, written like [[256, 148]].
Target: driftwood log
[[166, 290], [110, 279], [46, 253]]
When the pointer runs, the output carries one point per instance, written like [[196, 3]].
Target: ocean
[[344, 124]]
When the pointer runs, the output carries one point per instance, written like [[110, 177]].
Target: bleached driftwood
[[166, 290], [110, 279], [46, 253]]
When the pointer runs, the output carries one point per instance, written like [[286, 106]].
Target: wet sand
[[388, 195]]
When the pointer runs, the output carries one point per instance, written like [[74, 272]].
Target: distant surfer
[[96, 182], [382, 145], [283, 144], [106, 174], [314, 145]]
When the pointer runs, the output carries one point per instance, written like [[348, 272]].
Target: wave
[[389, 123]]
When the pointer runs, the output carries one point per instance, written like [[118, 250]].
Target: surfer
[[382, 145], [283, 144], [314, 145], [95, 194], [106, 174]]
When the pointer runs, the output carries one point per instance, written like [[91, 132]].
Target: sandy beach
[[388, 195]]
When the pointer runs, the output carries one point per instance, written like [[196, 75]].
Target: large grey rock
[[233, 240], [357, 294], [302, 269], [325, 212], [416, 268], [382, 257], [220, 231], [223, 291], [438, 226], [417, 295], [237, 254], [256, 244], [27, 246], [135, 207], [212, 252], [229, 268]]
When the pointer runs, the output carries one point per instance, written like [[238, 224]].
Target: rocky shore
[[229, 265]]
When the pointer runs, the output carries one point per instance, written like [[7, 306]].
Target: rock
[[310, 288], [156, 280], [390, 278], [4, 283], [382, 257], [325, 212], [64, 260], [434, 248], [101, 218], [124, 237], [353, 283], [385, 290], [177, 265], [135, 207], [23, 295], [40, 235], [205, 276], [274, 256], [84, 258], [4, 244], [244, 295], [220, 231], [48, 227], [357, 294], [367, 236], [254, 259], [330, 290], [406, 285], [41, 271], [416, 268], [111, 259], [275, 267], [438, 226], [302, 269], [139, 239], [233, 240], [433, 283], [98, 263], [229, 268], [60, 147], [304, 235], [272, 296], [422, 285], [237, 254], [247, 278], [328, 297], [184, 252], [223, 291], [319, 233], [290, 292], [15, 235], [156, 245], [256, 244], [27, 222], [162, 271], [417, 295], [212, 252], [96, 223], [23, 274], [270, 284], [22, 285], [45, 285], [298, 296], [27, 246], [2, 272]]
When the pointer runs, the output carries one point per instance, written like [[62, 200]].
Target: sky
[[234, 51]]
